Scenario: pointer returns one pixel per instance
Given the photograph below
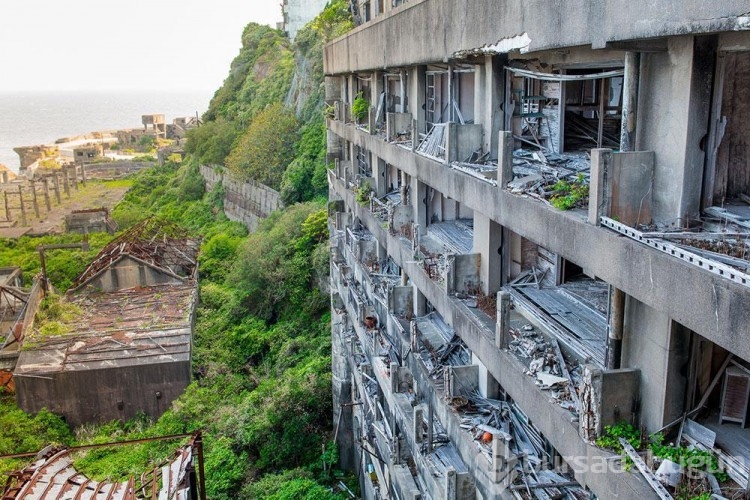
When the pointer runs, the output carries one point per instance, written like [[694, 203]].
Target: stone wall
[[248, 202]]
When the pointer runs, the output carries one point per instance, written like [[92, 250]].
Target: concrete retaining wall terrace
[[248, 202]]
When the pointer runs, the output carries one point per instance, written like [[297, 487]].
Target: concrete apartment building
[[297, 13], [480, 333]]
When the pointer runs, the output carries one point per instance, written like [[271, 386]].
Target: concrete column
[[599, 191], [378, 172], [46, 195], [615, 328], [451, 143], [417, 84], [66, 185], [503, 459], [679, 77], [34, 200], [488, 241], [7, 209], [404, 187], [56, 187], [450, 484], [629, 101], [653, 344], [417, 422], [418, 200], [420, 303], [23, 206], [505, 158], [350, 96], [502, 324], [487, 110]]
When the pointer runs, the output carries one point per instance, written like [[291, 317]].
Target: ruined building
[[122, 344], [539, 228], [297, 13]]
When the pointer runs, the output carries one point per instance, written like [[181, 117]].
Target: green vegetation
[[62, 265], [610, 438], [360, 107], [362, 193], [54, 317], [695, 462], [261, 356], [691, 458], [260, 75], [21, 432], [266, 148], [567, 195], [262, 349]]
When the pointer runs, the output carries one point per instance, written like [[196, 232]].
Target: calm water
[[28, 119]]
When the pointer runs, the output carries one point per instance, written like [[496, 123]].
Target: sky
[[95, 45]]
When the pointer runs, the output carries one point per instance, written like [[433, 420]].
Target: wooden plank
[[702, 434], [644, 469], [566, 374]]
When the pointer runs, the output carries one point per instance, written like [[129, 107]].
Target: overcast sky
[[130, 44]]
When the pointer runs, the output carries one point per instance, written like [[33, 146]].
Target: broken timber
[[644, 469]]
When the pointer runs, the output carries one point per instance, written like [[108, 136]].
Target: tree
[[267, 147]]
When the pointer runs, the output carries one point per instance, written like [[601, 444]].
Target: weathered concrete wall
[[247, 202], [632, 187], [115, 169], [674, 130], [406, 35], [129, 273], [646, 346], [297, 13], [119, 394]]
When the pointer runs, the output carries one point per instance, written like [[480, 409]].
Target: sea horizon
[[29, 118]]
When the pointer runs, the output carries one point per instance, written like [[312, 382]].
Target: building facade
[[539, 229], [298, 13]]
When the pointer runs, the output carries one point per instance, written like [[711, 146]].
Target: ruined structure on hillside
[[124, 347], [52, 476]]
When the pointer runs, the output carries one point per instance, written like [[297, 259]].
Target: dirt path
[[96, 194]]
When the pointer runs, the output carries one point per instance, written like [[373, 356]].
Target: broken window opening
[[727, 177], [593, 113], [570, 112], [363, 162]]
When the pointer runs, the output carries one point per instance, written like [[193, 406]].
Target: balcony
[[557, 424]]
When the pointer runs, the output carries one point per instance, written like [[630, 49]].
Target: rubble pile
[[544, 363], [536, 172]]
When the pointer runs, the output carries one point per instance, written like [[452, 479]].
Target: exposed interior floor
[[450, 237], [582, 326], [730, 436]]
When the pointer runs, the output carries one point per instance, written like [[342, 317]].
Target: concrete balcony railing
[[554, 423], [669, 285]]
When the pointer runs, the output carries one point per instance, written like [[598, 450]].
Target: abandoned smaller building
[[94, 220], [87, 153], [29, 155], [127, 348]]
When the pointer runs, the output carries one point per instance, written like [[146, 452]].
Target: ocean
[[32, 118]]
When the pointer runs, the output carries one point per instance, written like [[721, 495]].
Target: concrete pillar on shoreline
[[34, 201], [23, 207], [46, 195], [66, 182], [56, 187]]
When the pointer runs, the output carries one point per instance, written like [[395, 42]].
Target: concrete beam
[[406, 35]]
